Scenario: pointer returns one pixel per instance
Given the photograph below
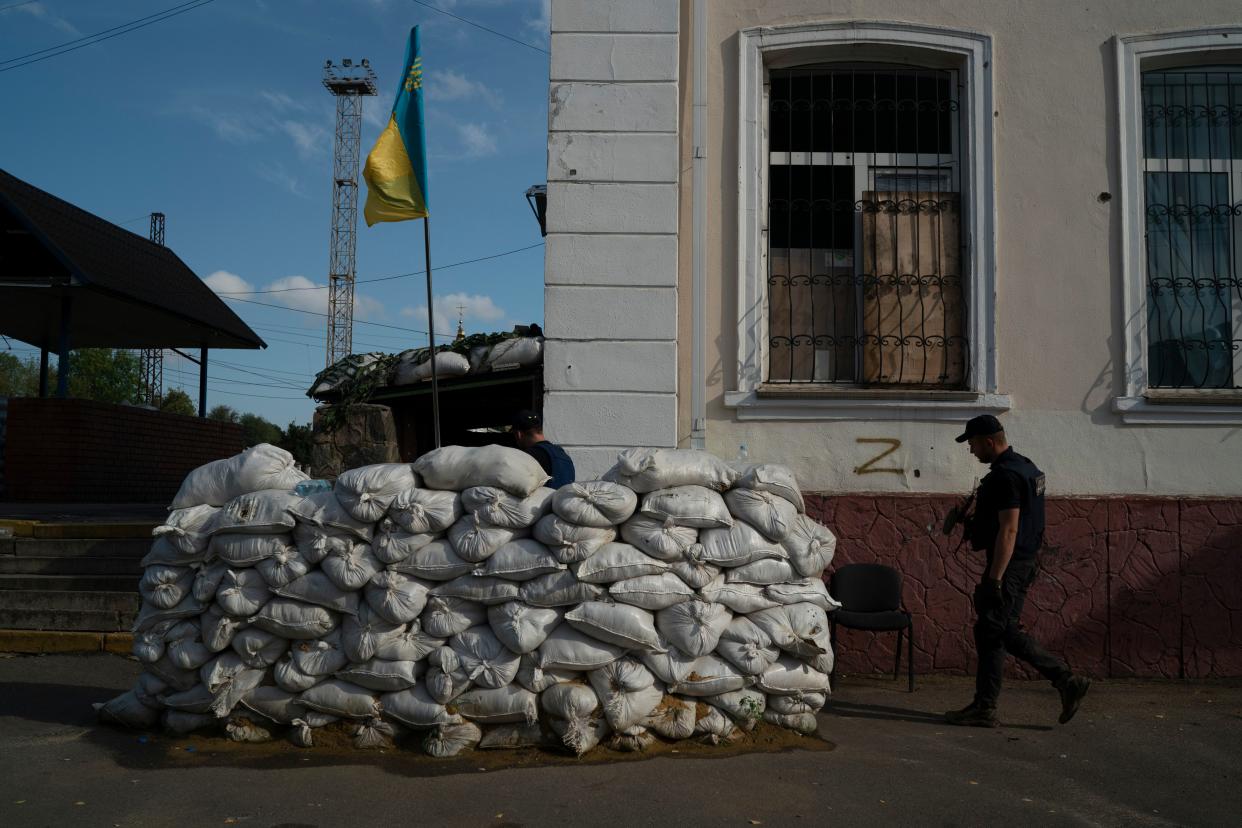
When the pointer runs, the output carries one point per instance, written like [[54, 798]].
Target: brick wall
[[1128, 586], [79, 451]]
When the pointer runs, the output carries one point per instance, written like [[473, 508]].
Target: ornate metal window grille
[[1192, 181], [865, 243]]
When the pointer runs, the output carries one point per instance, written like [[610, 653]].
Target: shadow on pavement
[[65, 704], [854, 710]]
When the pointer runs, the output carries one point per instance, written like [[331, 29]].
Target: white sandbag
[[290, 679], [741, 598], [257, 513], [186, 531], [128, 711], [510, 703], [392, 544], [805, 590], [521, 627], [207, 581], [351, 570], [798, 704], [382, 675], [715, 727], [150, 615], [737, 546], [798, 629], [259, 467], [324, 511], [375, 734], [515, 737], [499, 508], [148, 688], [574, 715], [761, 573], [163, 551], [516, 352], [316, 542], [569, 542], [771, 514], [710, 675], [804, 723], [283, 567], [183, 722], [437, 561], [148, 646], [189, 653], [535, 679], [445, 617], [476, 541], [747, 647], [625, 626], [396, 597], [486, 591], [789, 676], [367, 491], [460, 467], [627, 692], [341, 698], [412, 644], [651, 592], [242, 592], [567, 649], [669, 664], [646, 470], [320, 657], [240, 551], [258, 648], [558, 589], [317, 588], [595, 503], [294, 619], [672, 718], [482, 657], [694, 506], [197, 700], [414, 707], [166, 586], [425, 511], [616, 562], [229, 679], [361, 633], [774, 478], [217, 629], [660, 539], [274, 704], [520, 560], [449, 740], [695, 573], [446, 678], [745, 707], [694, 627], [447, 364], [810, 546]]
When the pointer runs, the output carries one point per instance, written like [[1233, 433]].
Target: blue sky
[[217, 118]]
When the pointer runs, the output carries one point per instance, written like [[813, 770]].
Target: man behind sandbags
[[527, 429]]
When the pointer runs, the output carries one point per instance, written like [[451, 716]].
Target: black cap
[[985, 425], [525, 420]]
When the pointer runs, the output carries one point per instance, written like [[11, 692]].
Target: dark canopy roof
[[125, 291]]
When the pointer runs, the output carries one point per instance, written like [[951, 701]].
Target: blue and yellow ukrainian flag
[[396, 169]]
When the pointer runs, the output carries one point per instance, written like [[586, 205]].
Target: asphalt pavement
[[1139, 753]]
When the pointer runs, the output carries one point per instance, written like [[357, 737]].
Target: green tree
[[18, 377], [257, 430], [177, 401], [297, 441], [106, 375], [224, 414]]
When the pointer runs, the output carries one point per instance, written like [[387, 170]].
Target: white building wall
[[610, 299]]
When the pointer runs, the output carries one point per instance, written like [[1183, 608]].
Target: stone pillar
[[368, 435]]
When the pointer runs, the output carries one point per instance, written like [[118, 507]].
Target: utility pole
[[151, 360], [349, 84]]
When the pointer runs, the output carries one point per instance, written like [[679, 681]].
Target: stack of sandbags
[[460, 598]]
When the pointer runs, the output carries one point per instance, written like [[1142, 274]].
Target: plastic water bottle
[[310, 487], [743, 454]]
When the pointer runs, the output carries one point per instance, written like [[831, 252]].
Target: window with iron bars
[[1192, 183], [865, 245]]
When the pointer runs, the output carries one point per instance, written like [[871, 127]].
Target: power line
[[481, 26], [100, 36], [316, 313], [383, 278]]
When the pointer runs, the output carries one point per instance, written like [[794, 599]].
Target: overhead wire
[[481, 26]]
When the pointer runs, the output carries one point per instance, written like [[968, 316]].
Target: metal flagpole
[[431, 334]]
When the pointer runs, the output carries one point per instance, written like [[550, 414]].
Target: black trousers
[[998, 630]]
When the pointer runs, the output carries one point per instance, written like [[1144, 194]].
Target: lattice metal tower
[[349, 84], [151, 360]]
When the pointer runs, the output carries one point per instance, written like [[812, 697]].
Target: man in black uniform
[[1008, 523]]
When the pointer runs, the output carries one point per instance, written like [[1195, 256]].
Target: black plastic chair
[[870, 596]]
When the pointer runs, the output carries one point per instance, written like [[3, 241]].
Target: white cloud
[[301, 293], [223, 281], [40, 11], [476, 140], [276, 173], [454, 86], [541, 24], [472, 308], [227, 126], [310, 139], [281, 102]]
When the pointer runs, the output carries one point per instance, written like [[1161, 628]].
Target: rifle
[[962, 514]]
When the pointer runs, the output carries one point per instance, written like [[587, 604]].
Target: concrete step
[[60, 565], [88, 583], [77, 547], [68, 599], [102, 620]]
